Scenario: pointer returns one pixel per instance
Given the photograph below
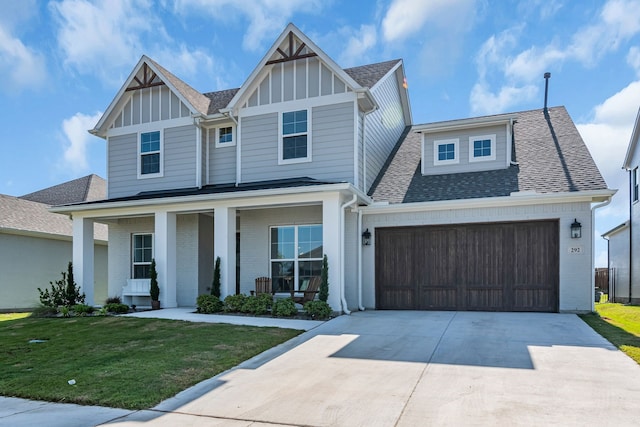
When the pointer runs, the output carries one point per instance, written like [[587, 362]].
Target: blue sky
[[62, 62]]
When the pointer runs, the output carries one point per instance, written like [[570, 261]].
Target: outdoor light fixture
[[366, 237], [576, 229]]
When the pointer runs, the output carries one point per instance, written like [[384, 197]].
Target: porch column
[[165, 256], [224, 246], [331, 236], [83, 256]]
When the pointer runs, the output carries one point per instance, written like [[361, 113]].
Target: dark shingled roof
[[550, 153], [85, 189], [220, 99], [369, 75]]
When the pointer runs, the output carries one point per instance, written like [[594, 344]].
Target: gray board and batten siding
[[150, 105], [464, 165], [384, 126], [222, 160], [332, 138], [179, 161]]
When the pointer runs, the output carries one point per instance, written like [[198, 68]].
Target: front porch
[[282, 237]]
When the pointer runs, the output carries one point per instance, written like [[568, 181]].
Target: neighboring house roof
[[220, 99], [631, 148], [21, 216], [616, 229], [85, 189], [549, 156]]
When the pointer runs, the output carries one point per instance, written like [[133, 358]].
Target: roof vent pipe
[[546, 89]]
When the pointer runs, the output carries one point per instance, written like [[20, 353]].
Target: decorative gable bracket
[[291, 55], [149, 79]]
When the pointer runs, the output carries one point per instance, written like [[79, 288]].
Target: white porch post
[[83, 256], [224, 246], [165, 256], [331, 235]]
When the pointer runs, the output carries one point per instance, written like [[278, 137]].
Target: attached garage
[[510, 266]]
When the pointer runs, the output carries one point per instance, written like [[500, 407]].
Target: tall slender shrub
[[323, 293], [154, 290], [215, 286]]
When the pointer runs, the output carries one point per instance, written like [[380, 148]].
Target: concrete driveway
[[391, 368]]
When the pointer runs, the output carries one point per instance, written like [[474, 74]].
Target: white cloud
[[266, 17], [618, 21], [76, 141], [358, 43], [106, 37], [405, 18], [607, 137], [633, 59], [20, 66], [483, 101]]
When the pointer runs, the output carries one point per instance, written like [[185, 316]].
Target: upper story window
[[150, 155], [446, 152], [142, 248], [635, 185], [225, 136], [482, 148], [295, 144]]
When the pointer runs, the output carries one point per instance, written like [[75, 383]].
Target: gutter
[[593, 245], [360, 306], [343, 301], [631, 231]]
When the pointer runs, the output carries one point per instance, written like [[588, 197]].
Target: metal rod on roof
[[547, 75]]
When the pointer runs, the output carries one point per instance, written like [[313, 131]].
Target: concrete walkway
[[386, 368]]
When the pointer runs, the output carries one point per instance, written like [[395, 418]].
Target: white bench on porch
[[136, 288]]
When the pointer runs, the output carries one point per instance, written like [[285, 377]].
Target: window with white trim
[[225, 136], [295, 256], [446, 152], [150, 154], [482, 148], [142, 254], [635, 184], [295, 140]]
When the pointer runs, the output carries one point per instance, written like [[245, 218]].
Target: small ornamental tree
[[215, 287], [323, 293], [64, 292], [154, 289]]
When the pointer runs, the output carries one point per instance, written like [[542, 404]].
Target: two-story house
[[624, 240], [308, 159]]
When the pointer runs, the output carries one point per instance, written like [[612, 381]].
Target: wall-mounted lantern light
[[576, 229], [366, 237]]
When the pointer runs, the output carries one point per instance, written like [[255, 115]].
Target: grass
[[620, 324], [120, 362]]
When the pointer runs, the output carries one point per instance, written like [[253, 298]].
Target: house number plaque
[[575, 250]]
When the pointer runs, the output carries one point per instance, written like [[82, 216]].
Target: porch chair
[[263, 285], [309, 288]]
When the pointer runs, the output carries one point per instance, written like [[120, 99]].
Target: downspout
[[360, 306], [630, 233], [343, 300], [593, 246]]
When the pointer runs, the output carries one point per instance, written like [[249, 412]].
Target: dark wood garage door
[[489, 267]]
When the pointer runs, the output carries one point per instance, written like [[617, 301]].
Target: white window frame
[[473, 139], [139, 155], [281, 136], [456, 151], [133, 249], [296, 259], [231, 143]]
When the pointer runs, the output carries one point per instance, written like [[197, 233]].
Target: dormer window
[[482, 148], [295, 140], [150, 155], [446, 152], [225, 137]]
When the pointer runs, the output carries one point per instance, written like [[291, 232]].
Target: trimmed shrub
[[323, 295], [208, 304], [114, 300], [117, 308], [215, 286], [258, 305], [317, 309], [234, 303], [284, 308], [154, 290], [82, 309]]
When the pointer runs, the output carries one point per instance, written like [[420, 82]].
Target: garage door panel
[[493, 267]]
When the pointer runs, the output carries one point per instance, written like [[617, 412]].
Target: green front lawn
[[620, 324], [118, 361]]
